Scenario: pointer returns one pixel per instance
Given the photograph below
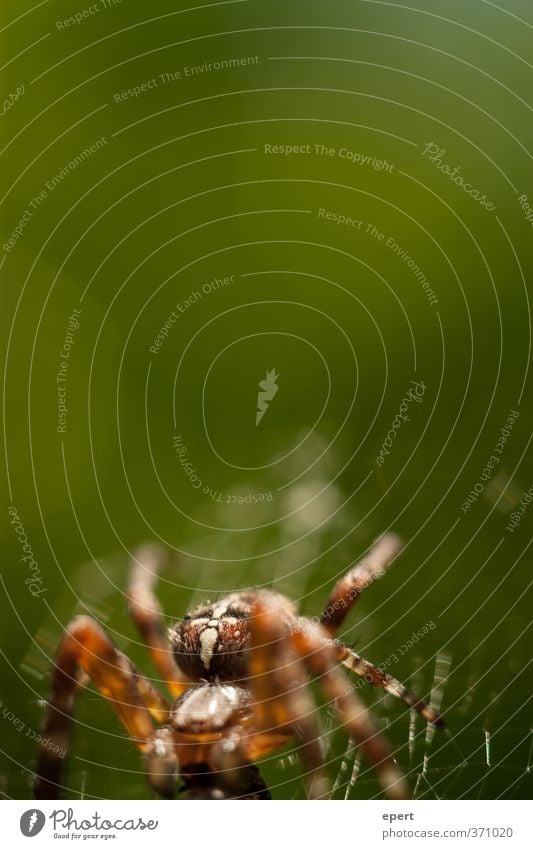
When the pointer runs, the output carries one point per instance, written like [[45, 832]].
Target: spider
[[238, 671]]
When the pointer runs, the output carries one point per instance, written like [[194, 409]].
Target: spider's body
[[238, 670], [207, 710]]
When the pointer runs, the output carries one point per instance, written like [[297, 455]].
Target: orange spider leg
[[319, 656], [278, 682], [348, 589], [147, 615], [86, 652]]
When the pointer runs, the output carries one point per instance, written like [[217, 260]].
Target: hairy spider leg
[[344, 596], [279, 687], [348, 589], [148, 617], [86, 652], [319, 656], [374, 675]]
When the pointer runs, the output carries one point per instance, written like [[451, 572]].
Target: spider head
[[210, 643]]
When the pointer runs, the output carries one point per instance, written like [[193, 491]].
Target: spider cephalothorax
[[238, 671]]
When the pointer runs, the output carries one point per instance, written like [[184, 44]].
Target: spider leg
[[86, 652], [348, 589], [391, 685], [147, 615], [283, 707], [319, 656]]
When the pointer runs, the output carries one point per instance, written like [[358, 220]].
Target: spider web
[[436, 764]]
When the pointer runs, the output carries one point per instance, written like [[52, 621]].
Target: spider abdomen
[[209, 708]]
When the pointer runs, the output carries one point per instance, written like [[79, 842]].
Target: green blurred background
[[181, 192]]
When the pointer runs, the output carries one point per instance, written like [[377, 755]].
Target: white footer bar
[[268, 825]]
